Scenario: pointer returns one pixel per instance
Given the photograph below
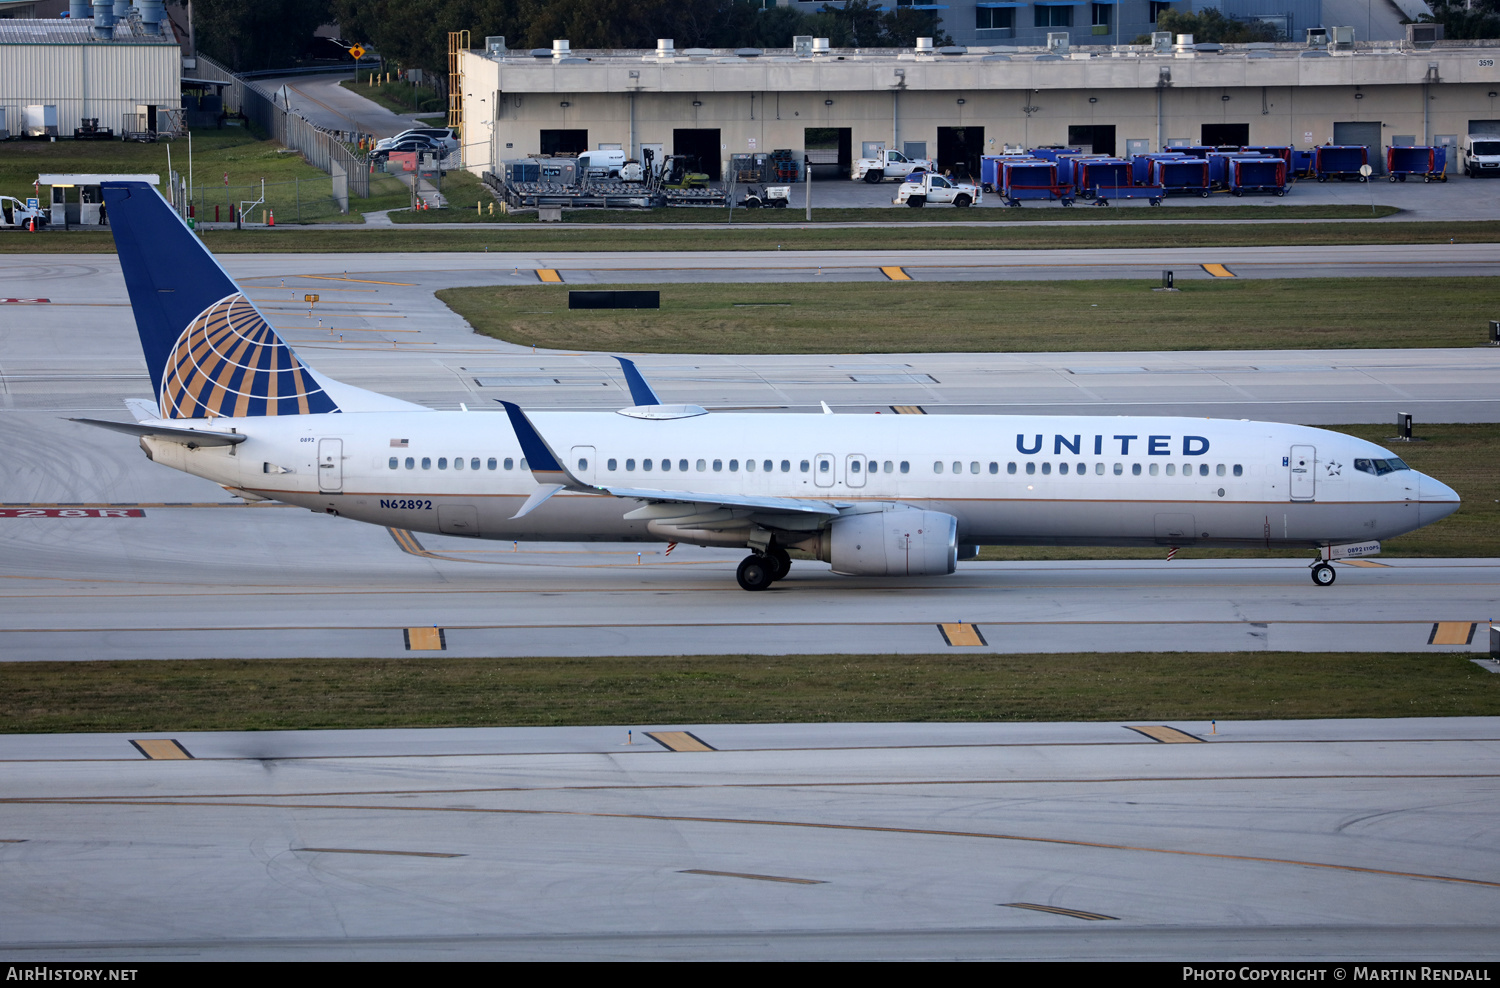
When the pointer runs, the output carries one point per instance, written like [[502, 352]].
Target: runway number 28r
[[402, 503]]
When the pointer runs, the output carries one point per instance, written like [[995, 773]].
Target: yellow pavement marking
[[425, 639], [1057, 910], [362, 281], [758, 878], [1166, 735], [960, 634], [1365, 563], [549, 275], [161, 749], [896, 274], [908, 409], [679, 741], [1451, 633], [1218, 270], [360, 850]]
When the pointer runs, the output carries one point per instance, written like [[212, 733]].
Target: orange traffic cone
[[272, 220]]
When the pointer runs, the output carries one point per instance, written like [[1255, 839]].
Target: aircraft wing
[[553, 476], [777, 505]]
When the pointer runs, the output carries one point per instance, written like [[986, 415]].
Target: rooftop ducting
[[122, 10], [665, 48], [104, 19], [560, 49], [924, 46], [152, 14], [79, 10], [820, 46]]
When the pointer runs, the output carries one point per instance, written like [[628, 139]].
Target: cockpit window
[[1380, 467], [1397, 464]]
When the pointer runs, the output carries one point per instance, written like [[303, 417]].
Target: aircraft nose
[[1435, 499]]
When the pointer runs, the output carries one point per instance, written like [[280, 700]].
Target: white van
[[601, 164], [1482, 155]]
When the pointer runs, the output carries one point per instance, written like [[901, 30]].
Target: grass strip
[[996, 316], [304, 694], [414, 238]]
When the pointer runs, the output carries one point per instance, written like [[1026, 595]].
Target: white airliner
[[888, 495]]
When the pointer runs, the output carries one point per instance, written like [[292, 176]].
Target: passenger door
[[1304, 478], [330, 464], [854, 470], [581, 463], [823, 472]]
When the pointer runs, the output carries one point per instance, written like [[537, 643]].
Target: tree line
[[254, 34]]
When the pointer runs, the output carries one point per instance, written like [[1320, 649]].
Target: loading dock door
[[564, 142], [959, 148], [1366, 132], [1219, 135], [702, 144], [1093, 138]]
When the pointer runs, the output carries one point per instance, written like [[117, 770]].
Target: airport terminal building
[[958, 103]]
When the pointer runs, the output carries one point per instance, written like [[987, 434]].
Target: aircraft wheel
[[1324, 575], [781, 559], [756, 573]]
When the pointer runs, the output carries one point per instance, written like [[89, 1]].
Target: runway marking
[[362, 281], [161, 749], [425, 639], [1452, 633], [792, 824], [408, 543], [25, 301], [679, 741], [358, 850], [72, 513], [548, 275], [908, 409], [1164, 734], [1056, 910], [141, 504], [758, 878], [1218, 270], [895, 273], [962, 635], [1366, 563]]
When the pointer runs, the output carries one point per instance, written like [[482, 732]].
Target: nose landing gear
[[1323, 574]]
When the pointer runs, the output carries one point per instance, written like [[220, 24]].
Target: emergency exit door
[[1303, 479]]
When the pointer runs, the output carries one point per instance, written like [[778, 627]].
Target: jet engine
[[901, 542]]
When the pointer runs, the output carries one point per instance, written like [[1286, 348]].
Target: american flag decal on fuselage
[[230, 362]]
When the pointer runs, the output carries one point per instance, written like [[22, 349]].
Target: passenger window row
[[1153, 469], [459, 463], [749, 465]]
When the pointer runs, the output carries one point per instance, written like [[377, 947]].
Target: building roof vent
[[748, 52], [560, 49], [802, 45], [495, 45], [820, 46], [1161, 42], [953, 50], [924, 46], [541, 53], [664, 48]]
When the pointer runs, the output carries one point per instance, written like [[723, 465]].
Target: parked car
[[441, 136], [1481, 155], [415, 143]]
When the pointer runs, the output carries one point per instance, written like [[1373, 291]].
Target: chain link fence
[[297, 201]]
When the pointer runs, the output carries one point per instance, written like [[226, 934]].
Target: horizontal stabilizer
[[192, 438]]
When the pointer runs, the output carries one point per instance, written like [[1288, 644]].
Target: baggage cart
[[1257, 174], [1182, 176], [1032, 180], [1340, 161], [990, 165], [1302, 163], [1090, 174], [1282, 151], [1141, 165], [1420, 160], [1104, 193], [1051, 153]]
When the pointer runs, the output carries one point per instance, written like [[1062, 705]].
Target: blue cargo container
[[1195, 150], [1141, 165], [1091, 173], [1340, 161], [1282, 151], [1429, 162], [1261, 173], [990, 177], [1033, 180], [1184, 176], [1050, 153], [1302, 163]]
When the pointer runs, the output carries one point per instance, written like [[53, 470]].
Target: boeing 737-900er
[[872, 495]]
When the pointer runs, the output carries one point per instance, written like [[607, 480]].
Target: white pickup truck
[[893, 163], [929, 188]]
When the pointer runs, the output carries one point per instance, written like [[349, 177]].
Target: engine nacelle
[[904, 542]]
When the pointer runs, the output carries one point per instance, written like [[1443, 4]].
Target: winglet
[[546, 466], [640, 391]]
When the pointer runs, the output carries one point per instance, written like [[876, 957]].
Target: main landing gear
[[1323, 574], [759, 570]]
